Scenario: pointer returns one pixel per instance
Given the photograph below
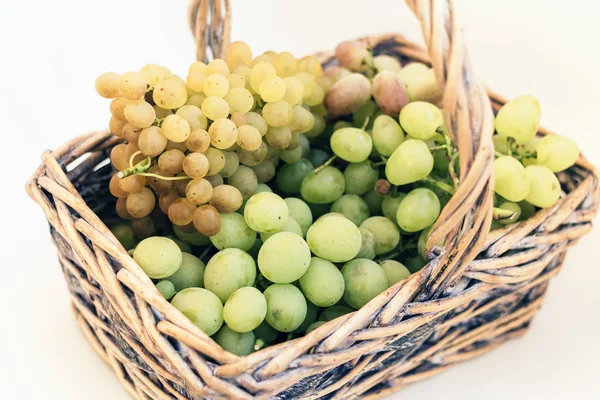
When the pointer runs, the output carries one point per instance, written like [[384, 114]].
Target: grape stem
[[164, 178], [259, 344], [436, 148], [378, 164], [364, 126], [326, 163], [502, 214], [370, 64], [138, 168], [452, 172], [498, 154], [510, 142], [440, 185], [204, 253], [389, 256]]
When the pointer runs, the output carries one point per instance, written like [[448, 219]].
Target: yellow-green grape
[[316, 97], [251, 158], [511, 179], [390, 204], [410, 162], [236, 80], [215, 108], [216, 160], [158, 256], [190, 274], [325, 82], [107, 85], [216, 85], [389, 92], [234, 233], [195, 81], [166, 289], [240, 100], [229, 270], [420, 119], [238, 54], [314, 326], [331, 313], [266, 212], [300, 212], [364, 280], [352, 207], [153, 74], [285, 64], [201, 307], [323, 283], [423, 87], [265, 171], [334, 238], [170, 93], [240, 344], [500, 144], [244, 179], [386, 232], [279, 138], [197, 66], [257, 121], [557, 153], [194, 237], [323, 187], [261, 71], [284, 257], [133, 85], [232, 163], [286, 307], [545, 188], [387, 135], [217, 66], [198, 141], [245, 309], [176, 128], [226, 198], [196, 100], [248, 138], [351, 144], [319, 126], [418, 210], [311, 65], [384, 62], [194, 116], [303, 120], [515, 208], [139, 114], [367, 246], [294, 90], [309, 82], [351, 54], [140, 203], [519, 119], [152, 142], [290, 226], [291, 156], [394, 271], [223, 133], [161, 112], [124, 235], [198, 191], [215, 180], [272, 88], [244, 71], [348, 95], [278, 114]]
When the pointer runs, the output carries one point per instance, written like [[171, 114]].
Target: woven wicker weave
[[480, 290]]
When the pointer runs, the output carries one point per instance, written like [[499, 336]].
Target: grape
[[360, 177], [387, 135], [323, 283], [131, 149], [334, 238], [290, 226], [249, 138], [364, 280], [114, 187], [232, 163], [352, 207], [244, 179], [234, 233], [323, 187], [198, 191], [152, 142], [196, 100], [351, 144], [216, 85], [300, 212], [394, 271], [265, 171], [132, 85], [511, 179], [257, 121], [198, 141], [387, 235], [229, 270], [304, 145], [171, 161], [215, 108], [359, 117], [159, 257], [500, 144], [153, 73], [190, 274], [278, 114], [193, 237], [195, 81], [166, 288], [132, 183], [285, 64], [311, 316], [390, 92], [223, 133], [290, 176], [238, 54], [351, 54], [418, 210], [335, 72], [207, 220], [348, 95], [384, 62], [390, 204], [311, 65], [314, 326], [215, 180], [124, 235], [226, 198], [216, 160], [272, 88], [181, 211], [410, 162], [140, 203], [527, 210], [331, 313], [374, 200], [308, 82], [557, 153], [317, 97], [302, 121], [175, 128], [115, 126], [139, 114], [545, 187], [238, 119], [318, 127], [519, 119], [195, 165], [194, 116], [294, 90], [201, 307], [286, 307], [131, 134], [252, 158], [239, 100], [107, 85], [422, 244], [261, 71], [197, 66], [118, 157], [423, 86], [245, 309], [291, 156], [279, 138], [170, 93], [117, 108], [420, 119], [368, 245], [143, 227], [166, 198], [284, 257], [266, 212], [514, 207], [240, 344], [266, 333], [217, 66]]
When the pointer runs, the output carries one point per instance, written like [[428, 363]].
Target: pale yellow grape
[[266, 57], [424, 87], [261, 71], [238, 54], [117, 107], [116, 126], [170, 93], [257, 121], [294, 90], [285, 64], [500, 144], [325, 82], [249, 138], [195, 165], [272, 88], [140, 114], [199, 140], [153, 74], [216, 85], [245, 72], [107, 85], [278, 114], [159, 257], [217, 66], [302, 121], [309, 82], [232, 163], [317, 97], [223, 133], [519, 119], [311, 65], [194, 116], [197, 66], [236, 80], [545, 188], [280, 138], [412, 71], [196, 100], [387, 135], [175, 128], [215, 108], [216, 160], [290, 226], [239, 100], [335, 72], [384, 62], [152, 141], [511, 179], [131, 134], [195, 81], [557, 153], [133, 85]]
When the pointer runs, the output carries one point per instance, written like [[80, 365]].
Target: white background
[[51, 52]]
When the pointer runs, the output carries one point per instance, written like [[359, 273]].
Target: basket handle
[[466, 219]]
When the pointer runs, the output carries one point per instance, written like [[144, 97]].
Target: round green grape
[[284, 257], [202, 307], [317, 157], [527, 210], [229, 270], [360, 177], [368, 245], [557, 153], [311, 316], [364, 280], [166, 288], [352, 207], [387, 135], [515, 208], [519, 119], [421, 119], [124, 235], [266, 333], [545, 187], [184, 246], [511, 179], [387, 235], [290, 226], [234, 233], [334, 238], [286, 307], [240, 344], [374, 200], [390, 204], [190, 274], [394, 271], [410, 162], [314, 326], [418, 210], [158, 256], [351, 144], [266, 212], [300, 212], [331, 313], [323, 283], [245, 309], [194, 238], [290, 176], [323, 187]]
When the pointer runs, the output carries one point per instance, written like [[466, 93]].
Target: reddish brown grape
[[207, 220]]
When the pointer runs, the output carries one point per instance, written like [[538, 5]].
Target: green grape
[[159, 257], [266, 333], [519, 119], [290, 226], [351, 144], [245, 180], [387, 235], [166, 288], [352, 207], [240, 344], [394, 271], [304, 145], [289, 177], [514, 207], [323, 187], [368, 245], [414, 264], [284, 257], [418, 210], [245, 309], [311, 316], [323, 283], [364, 280], [234, 233], [511, 179], [184, 246], [441, 161], [229, 270], [124, 235], [266, 212], [527, 210], [387, 135], [286, 307], [368, 110], [422, 243], [421, 119], [334, 238], [410, 162], [374, 200], [390, 204], [319, 125], [314, 326], [545, 187], [360, 177], [330, 214], [278, 114], [557, 153], [202, 307], [318, 210], [257, 121], [317, 157], [194, 238], [300, 212], [291, 156], [331, 313], [500, 144], [190, 274]]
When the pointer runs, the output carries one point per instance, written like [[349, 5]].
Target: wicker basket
[[479, 291]]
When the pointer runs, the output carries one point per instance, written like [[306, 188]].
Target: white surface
[[51, 52]]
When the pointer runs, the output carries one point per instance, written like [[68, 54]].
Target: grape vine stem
[[325, 164], [259, 344]]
